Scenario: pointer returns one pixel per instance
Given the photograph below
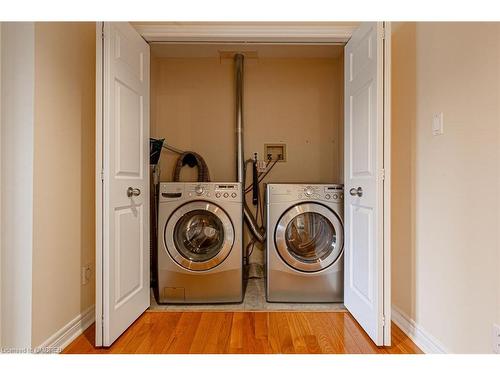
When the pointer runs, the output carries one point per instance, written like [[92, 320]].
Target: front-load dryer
[[200, 255], [305, 241]]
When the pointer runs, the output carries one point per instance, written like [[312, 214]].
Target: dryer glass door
[[309, 237], [199, 235]]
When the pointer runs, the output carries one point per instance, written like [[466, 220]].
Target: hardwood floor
[[244, 332]]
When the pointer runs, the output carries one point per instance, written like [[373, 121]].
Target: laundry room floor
[[254, 300], [238, 332]]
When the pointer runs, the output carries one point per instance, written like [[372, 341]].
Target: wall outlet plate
[[438, 124], [496, 338], [86, 274]]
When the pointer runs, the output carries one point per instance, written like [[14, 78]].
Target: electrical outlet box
[[275, 151], [496, 338]]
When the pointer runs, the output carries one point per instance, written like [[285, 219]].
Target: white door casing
[[367, 281], [122, 259]]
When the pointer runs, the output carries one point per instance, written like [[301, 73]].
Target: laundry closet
[[299, 114], [292, 97]]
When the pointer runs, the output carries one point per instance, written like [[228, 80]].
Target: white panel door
[[365, 281], [123, 263]]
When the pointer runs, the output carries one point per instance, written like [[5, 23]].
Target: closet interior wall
[[292, 95]]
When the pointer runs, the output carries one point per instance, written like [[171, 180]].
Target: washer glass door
[[309, 237], [199, 235]]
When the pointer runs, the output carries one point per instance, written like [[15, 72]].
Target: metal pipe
[[257, 232], [238, 60]]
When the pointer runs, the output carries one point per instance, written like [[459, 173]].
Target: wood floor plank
[[236, 337], [284, 333], [343, 334], [166, 328], [206, 339], [299, 331], [182, 337], [244, 332]]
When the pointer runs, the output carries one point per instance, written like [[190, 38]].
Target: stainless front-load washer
[[305, 242], [200, 254]]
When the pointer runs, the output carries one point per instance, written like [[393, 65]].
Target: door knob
[[131, 192], [356, 191]]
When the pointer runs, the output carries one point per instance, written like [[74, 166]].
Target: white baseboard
[[426, 342], [70, 331]]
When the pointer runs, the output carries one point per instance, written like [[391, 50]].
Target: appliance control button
[[327, 196], [233, 195], [341, 196], [217, 195], [199, 190], [226, 195], [335, 196], [308, 191]]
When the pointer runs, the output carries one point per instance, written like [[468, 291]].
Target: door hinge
[[102, 174], [382, 33], [383, 321], [382, 174]]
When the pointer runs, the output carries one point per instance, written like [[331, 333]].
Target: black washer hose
[[255, 182]]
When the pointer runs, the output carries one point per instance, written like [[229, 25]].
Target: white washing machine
[[200, 256], [305, 243]]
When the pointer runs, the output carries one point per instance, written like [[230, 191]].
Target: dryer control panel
[[311, 192]]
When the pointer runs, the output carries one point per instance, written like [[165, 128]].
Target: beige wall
[[297, 101], [294, 101], [63, 174], [446, 253]]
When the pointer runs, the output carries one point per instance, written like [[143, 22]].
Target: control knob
[[199, 190], [308, 191]]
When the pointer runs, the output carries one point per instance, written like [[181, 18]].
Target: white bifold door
[[366, 178], [122, 264]]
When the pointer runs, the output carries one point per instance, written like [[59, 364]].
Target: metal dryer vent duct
[[257, 232], [240, 155]]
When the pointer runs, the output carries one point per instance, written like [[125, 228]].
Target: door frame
[[246, 32], [250, 32], [387, 185], [99, 178]]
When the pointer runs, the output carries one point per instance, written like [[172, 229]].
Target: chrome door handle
[[356, 191], [131, 192]]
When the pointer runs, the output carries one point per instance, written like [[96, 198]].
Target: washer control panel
[[171, 191], [320, 192]]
